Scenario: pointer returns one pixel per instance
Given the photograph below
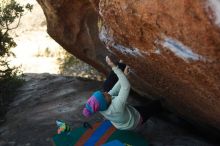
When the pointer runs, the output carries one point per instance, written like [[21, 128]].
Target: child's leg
[[112, 78], [149, 110]]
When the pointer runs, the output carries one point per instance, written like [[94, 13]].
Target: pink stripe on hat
[[86, 112], [93, 103]]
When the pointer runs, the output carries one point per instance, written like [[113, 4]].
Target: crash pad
[[114, 143], [100, 133]]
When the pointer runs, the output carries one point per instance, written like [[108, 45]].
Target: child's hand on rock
[[109, 62], [126, 70]]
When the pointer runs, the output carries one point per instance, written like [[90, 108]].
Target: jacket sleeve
[[115, 90], [123, 89]]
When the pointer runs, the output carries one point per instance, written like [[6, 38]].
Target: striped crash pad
[[101, 133]]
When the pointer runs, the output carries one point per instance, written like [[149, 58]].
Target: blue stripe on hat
[[89, 108], [101, 99]]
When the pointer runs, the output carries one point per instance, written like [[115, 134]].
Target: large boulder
[[172, 47]]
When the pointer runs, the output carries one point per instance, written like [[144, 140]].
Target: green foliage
[[71, 66], [45, 53], [8, 86], [67, 62], [10, 16]]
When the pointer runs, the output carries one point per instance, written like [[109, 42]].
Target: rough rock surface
[[73, 24], [172, 47], [44, 98]]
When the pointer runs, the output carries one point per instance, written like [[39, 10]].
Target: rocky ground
[[44, 98]]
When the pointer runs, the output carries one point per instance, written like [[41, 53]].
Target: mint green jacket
[[121, 115]]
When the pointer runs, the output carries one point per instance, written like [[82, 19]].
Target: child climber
[[113, 104]]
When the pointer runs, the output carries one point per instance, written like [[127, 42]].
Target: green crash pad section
[[124, 136], [68, 138], [113, 143], [128, 137]]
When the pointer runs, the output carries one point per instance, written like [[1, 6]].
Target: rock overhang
[[172, 47]]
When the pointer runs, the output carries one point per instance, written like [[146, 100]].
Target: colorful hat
[[95, 103]]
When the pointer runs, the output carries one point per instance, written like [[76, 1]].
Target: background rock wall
[[73, 24], [172, 47]]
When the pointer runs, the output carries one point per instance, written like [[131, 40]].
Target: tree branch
[[19, 20], [8, 28]]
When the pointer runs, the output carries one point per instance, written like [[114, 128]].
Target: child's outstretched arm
[[116, 88], [122, 86]]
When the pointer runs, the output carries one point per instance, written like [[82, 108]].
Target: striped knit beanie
[[95, 103]]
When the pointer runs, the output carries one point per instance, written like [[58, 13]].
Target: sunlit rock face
[[172, 47]]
